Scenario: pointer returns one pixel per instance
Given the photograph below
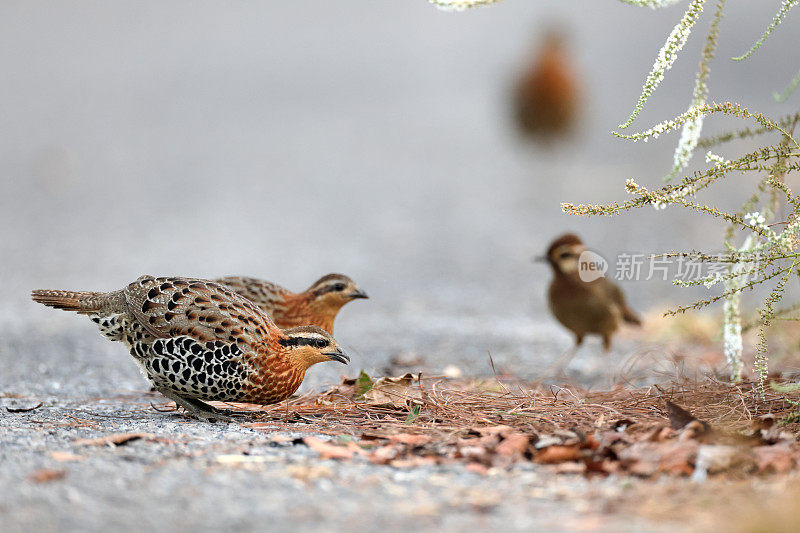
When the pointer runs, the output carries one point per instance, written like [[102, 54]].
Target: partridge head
[[318, 305]]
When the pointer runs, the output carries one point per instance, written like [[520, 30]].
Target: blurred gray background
[[286, 140]]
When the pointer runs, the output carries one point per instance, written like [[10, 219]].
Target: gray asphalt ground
[[198, 477], [287, 140]]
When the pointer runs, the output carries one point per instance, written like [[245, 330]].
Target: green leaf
[[412, 415], [363, 383]]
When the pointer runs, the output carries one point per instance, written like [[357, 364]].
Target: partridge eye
[[338, 287], [321, 343], [565, 255]]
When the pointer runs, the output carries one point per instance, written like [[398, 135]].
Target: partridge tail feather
[[79, 301]]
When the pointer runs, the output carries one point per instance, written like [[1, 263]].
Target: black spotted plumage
[[111, 326], [195, 369]]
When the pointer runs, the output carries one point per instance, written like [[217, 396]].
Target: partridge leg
[[198, 409]]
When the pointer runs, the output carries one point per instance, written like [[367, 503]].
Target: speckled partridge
[[199, 341]]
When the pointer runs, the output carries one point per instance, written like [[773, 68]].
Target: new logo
[[591, 266]]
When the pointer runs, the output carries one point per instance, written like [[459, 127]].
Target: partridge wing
[[171, 307], [264, 294]]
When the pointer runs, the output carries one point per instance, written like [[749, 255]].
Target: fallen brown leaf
[[399, 392], [281, 439], [116, 439], [494, 430], [46, 475], [569, 467], [514, 444], [333, 451], [478, 468], [473, 453], [659, 433], [234, 459], [238, 406], [678, 459], [778, 458], [692, 431], [308, 473], [412, 440], [487, 441], [646, 458], [384, 454], [557, 454], [414, 461], [63, 457]]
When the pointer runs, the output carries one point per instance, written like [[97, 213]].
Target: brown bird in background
[[547, 95], [196, 340], [317, 305], [583, 307]]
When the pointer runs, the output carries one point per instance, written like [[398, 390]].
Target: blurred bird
[[317, 305], [197, 340], [547, 95], [583, 307]]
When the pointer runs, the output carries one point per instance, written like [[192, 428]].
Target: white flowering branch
[[727, 108], [667, 56], [652, 4], [766, 314], [460, 5], [714, 158], [781, 97], [782, 12], [732, 329], [693, 128]]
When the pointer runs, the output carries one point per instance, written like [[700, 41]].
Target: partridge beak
[[338, 355], [358, 294]]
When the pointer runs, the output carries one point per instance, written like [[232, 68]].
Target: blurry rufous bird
[[317, 305], [547, 95], [583, 307], [198, 341]]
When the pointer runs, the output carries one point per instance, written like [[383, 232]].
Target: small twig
[[165, 410], [491, 362], [24, 409]]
